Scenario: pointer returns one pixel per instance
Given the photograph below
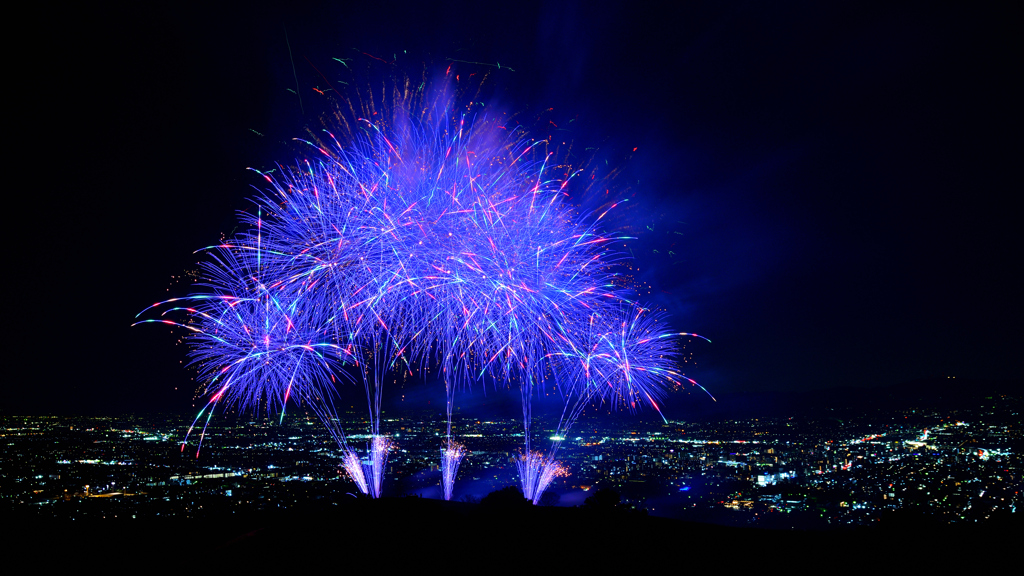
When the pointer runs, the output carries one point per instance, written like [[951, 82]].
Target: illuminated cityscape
[[952, 467], [816, 189]]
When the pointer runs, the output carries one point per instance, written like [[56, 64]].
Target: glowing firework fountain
[[451, 456], [354, 466]]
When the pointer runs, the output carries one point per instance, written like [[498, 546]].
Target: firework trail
[[256, 343], [620, 354], [623, 355]]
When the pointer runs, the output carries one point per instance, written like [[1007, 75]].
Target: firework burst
[[434, 238]]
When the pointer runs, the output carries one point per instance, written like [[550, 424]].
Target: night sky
[[825, 190]]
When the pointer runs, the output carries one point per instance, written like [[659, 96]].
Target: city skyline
[[835, 468]]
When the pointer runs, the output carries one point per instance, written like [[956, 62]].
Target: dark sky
[[835, 181]]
